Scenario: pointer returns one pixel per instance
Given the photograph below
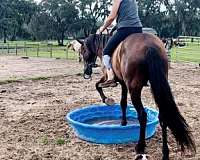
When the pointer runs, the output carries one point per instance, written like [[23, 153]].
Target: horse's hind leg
[[135, 93], [165, 149], [123, 103]]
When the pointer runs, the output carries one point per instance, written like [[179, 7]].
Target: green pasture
[[190, 52], [37, 49]]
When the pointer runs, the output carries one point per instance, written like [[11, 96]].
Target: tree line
[[58, 19]]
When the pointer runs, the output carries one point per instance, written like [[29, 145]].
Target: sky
[[38, 1]]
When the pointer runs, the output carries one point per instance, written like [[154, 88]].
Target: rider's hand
[[100, 30]]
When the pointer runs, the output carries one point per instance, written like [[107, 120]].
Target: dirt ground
[[32, 111], [14, 68]]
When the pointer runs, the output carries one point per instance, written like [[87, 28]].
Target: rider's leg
[[112, 44], [107, 64], [110, 82]]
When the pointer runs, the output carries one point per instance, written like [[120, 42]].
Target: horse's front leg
[[123, 104], [106, 100]]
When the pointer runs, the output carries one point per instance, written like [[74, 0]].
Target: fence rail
[[190, 52], [37, 50]]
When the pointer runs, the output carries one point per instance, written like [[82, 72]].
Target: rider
[[126, 14]]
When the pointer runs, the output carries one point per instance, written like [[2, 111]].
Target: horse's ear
[[80, 41]]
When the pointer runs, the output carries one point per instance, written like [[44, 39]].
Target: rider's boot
[[110, 82]]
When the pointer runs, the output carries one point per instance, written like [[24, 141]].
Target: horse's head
[[89, 56]]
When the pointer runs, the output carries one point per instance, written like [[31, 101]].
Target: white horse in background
[[76, 47]]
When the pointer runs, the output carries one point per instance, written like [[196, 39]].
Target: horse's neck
[[101, 41]]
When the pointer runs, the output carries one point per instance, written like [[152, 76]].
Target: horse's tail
[[165, 101]]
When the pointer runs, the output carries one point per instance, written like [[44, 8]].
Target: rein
[[103, 39]]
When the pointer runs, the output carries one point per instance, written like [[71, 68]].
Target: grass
[[39, 78], [15, 79], [45, 140], [8, 81], [60, 141], [190, 53]]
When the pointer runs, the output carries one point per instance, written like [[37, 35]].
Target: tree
[[59, 18], [91, 12], [63, 14], [187, 16], [40, 26], [24, 10], [180, 17], [13, 15], [6, 19]]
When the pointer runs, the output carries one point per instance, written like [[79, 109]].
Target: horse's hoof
[[165, 158], [123, 123], [139, 148], [142, 157], [109, 101]]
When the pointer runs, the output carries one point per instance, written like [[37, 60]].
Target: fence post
[[8, 51], [51, 51], [2, 48], [67, 51], [74, 55], [38, 50], [176, 54], [26, 49], [16, 48]]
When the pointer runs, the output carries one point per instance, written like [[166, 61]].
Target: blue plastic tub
[[101, 124]]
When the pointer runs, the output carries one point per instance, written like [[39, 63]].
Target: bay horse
[[141, 57]]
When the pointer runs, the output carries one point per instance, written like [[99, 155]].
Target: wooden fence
[[37, 50]]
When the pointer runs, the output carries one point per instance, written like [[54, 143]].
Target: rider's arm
[[112, 16]]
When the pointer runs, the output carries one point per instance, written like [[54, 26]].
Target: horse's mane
[[96, 41]]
